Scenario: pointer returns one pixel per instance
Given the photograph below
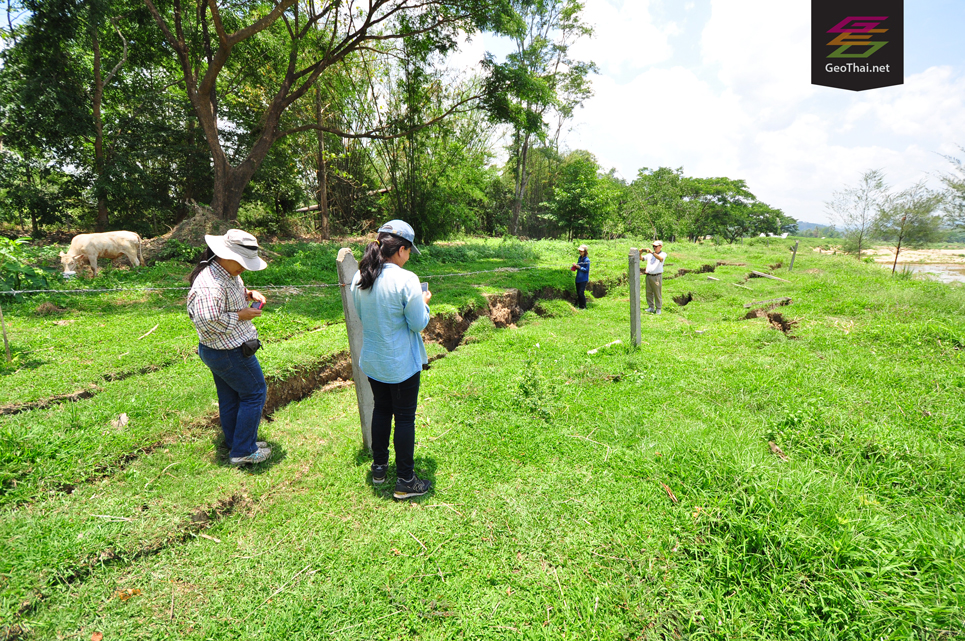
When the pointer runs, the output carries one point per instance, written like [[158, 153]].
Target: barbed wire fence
[[295, 288], [106, 290]]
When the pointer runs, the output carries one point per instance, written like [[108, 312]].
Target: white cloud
[[748, 110], [664, 117], [930, 104], [625, 38], [762, 49]]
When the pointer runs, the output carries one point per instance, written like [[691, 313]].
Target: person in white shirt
[[654, 271]]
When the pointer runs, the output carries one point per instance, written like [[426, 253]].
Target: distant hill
[[803, 226]]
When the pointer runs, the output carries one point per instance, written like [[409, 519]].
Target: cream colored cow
[[110, 245]]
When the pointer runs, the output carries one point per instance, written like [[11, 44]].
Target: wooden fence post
[[794, 255], [347, 267], [634, 257]]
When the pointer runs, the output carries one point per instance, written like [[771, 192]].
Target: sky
[[723, 88]]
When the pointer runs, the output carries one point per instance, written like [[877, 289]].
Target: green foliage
[[954, 195], [534, 394], [554, 309], [582, 200], [14, 272], [909, 218], [857, 209], [179, 251]]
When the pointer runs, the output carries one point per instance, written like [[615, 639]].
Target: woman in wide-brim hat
[[393, 309], [219, 306], [582, 269]]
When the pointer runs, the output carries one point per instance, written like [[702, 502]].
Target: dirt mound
[[189, 231], [46, 309]]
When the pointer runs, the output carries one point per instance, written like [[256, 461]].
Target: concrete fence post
[[6, 345], [635, 296], [794, 255], [347, 267]]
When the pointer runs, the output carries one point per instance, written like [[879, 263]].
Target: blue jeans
[[241, 396], [401, 400]]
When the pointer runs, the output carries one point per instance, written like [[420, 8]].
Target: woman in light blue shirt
[[394, 310]]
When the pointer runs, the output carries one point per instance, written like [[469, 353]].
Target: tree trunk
[[321, 174], [521, 180], [229, 186], [101, 224], [901, 235]]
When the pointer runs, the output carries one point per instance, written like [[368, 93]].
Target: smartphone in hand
[[256, 304], [425, 287]]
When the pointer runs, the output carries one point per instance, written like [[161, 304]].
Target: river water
[[942, 272]]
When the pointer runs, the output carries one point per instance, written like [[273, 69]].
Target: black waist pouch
[[248, 348]]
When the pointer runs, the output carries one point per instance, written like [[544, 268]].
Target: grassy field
[[624, 494]]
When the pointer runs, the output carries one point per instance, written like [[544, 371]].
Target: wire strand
[[300, 286]]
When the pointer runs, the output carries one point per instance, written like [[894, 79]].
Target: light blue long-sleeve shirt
[[393, 315]]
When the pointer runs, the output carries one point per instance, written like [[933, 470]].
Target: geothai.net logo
[[854, 37], [857, 44]]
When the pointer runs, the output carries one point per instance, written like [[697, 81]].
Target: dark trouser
[[400, 400], [654, 293], [580, 295], [241, 396]]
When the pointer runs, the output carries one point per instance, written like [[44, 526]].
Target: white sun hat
[[239, 246]]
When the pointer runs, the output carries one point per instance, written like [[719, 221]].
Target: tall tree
[[857, 209], [909, 219], [82, 83], [582, 200], [955, 192], [656, 206], [212, 40], [538, 79]]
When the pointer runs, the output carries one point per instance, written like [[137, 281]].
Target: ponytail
[[205, 261], [375, 256]]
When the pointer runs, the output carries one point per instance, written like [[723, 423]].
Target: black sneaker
[[378, 473], [413, 487]]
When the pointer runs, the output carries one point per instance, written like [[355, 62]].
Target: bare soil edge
[[775, 319], [50, 401], [113, 377]]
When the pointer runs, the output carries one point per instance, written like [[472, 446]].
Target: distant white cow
[[110, 245]]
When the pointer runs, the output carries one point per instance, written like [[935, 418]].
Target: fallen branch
[[273, 594], [385, 616], [670, 493], [418, 541], [616, 342], [712, 278], [770, 300], [763, 275], [777, 450], [742, 287], [150, 331], [447, 505], [596, 443]]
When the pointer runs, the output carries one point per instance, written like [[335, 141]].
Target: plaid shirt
[[213, 304]]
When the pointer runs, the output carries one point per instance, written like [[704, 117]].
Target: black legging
[[580, 295], [400, 400]]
